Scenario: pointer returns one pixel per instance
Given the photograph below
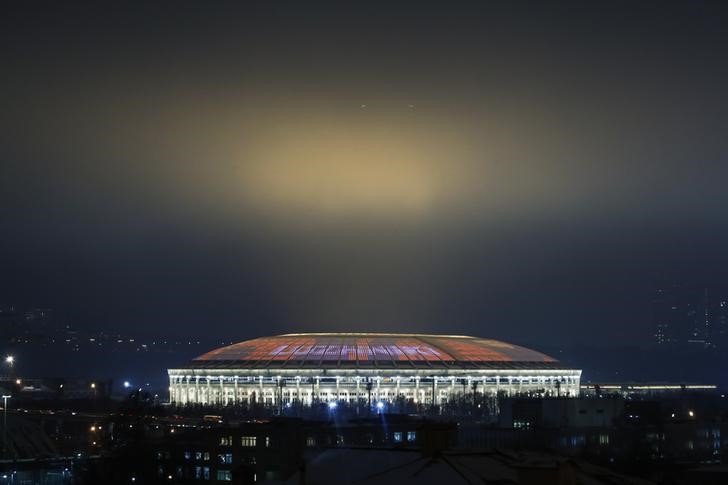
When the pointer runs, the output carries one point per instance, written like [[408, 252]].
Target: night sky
[[507, 170]]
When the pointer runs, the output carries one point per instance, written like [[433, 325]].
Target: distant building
[[519, 413], [669, 313], [689, 318], [627, 389]]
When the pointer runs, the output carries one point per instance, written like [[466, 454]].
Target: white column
[[171, 390]]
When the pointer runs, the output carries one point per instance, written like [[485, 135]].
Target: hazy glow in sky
[[334, 170], [512, 169]]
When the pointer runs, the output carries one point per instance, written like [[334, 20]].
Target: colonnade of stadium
[[244, 388]]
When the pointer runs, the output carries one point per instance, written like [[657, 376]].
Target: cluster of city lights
[[333, 405]]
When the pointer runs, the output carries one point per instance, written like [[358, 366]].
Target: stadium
[[366, 367]]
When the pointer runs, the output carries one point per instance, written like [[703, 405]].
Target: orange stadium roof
[[371, 350]]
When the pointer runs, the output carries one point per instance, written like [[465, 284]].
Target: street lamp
[[5, 423], [93, 388], [10, 360]]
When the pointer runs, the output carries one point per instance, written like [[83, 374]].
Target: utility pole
[[5, 424]]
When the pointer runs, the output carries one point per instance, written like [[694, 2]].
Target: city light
[[691, 413], [332, 405], [10, 360], [127, 384], [380, 405]]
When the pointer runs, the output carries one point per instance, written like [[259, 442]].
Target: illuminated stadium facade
[[356, 367]]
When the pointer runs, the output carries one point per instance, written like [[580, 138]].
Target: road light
[[332, 405], [93, 388], [5, 423], [10, 360], [127, 384]]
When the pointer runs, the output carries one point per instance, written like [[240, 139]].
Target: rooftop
[[373, 349]]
